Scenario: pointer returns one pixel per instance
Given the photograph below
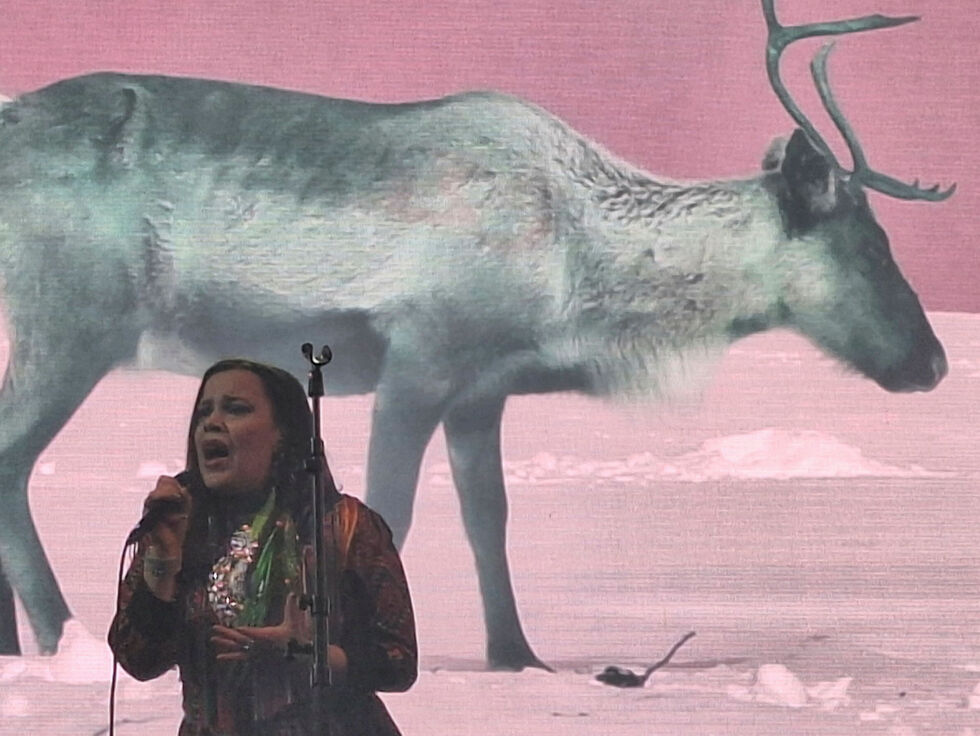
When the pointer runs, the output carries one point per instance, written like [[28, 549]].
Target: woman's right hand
[[167, 536]]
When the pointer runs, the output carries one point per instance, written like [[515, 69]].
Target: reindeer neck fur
[[667, 275]]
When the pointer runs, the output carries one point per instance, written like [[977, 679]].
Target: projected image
[[601, 399]]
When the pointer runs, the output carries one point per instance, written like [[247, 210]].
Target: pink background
[[882, 567], [679, 89]]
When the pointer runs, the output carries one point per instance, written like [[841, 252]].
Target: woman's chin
[[223, 486]]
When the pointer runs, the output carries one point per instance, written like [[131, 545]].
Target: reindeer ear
[[809, 176], [775, 154]]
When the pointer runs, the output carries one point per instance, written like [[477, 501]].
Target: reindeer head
[[840, 285]]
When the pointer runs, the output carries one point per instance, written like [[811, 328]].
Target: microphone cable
[[130, 550]]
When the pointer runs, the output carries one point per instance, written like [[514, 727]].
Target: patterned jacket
[[269, 694]]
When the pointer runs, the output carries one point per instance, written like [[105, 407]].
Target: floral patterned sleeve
[[145, 631], [378, 631]]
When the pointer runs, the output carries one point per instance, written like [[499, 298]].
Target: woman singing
[[214, 587]]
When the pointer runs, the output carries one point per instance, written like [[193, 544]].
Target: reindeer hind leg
[[473, 438]]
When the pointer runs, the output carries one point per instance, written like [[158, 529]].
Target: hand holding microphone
[[164, 524], [165, 514]]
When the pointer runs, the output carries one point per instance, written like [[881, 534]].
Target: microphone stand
[[320, 603]]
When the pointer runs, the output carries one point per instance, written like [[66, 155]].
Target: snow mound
[[784, 454], [81, 658], [776, 684], [765, 454]]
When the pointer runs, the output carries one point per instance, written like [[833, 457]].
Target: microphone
[[157, 510]]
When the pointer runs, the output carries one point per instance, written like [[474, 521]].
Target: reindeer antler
[[862, 172], [780, 37]]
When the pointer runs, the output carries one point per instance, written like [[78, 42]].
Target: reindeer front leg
[[473, 439], [408, 405], [24, 568], [68, 329], [9, 643], [54, 364]]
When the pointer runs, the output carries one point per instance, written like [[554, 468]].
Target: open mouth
[[214, 450]]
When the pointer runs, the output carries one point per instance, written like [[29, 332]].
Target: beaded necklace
[[261, 563]]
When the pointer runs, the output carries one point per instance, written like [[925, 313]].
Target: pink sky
[[678, 89]]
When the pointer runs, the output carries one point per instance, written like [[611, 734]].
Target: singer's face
[[235, 434]]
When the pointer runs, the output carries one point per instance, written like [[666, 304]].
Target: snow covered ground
[[818, 533]]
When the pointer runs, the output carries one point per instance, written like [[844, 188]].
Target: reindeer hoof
[[515, 660], [49, 635]]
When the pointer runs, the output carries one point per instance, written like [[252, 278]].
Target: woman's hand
[[238, 643], [162, 559], [244, 641], [167, 537]]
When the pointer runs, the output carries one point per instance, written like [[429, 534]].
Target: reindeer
[[454, 252]]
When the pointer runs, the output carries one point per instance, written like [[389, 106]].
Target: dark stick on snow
[[619, 677]]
